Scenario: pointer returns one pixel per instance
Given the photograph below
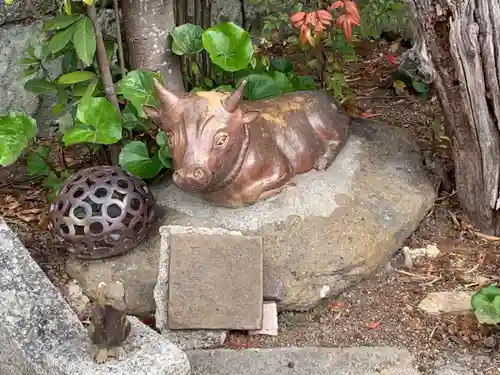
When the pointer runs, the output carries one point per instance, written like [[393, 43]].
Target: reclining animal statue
[[235, 152]]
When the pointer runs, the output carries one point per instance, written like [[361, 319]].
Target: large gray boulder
[[330, 231]]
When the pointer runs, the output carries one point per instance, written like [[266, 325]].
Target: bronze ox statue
[[237, 152]]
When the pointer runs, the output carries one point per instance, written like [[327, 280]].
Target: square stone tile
[[215, 282]]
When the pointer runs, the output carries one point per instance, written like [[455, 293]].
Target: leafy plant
[[378, 16], [486, 305], [231, 51], [316, 32]]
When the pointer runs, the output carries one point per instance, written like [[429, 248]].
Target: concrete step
[[303, 361]]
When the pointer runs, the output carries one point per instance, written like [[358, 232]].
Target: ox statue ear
[[152, 112], [250, 116]]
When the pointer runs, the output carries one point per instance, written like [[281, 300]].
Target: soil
[[380, 311]]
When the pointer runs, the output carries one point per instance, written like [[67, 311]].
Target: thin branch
[[102, 59], [105, 72], [119, 37]]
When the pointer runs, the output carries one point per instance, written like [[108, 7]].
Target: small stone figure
[[109, 327], [236, 152]]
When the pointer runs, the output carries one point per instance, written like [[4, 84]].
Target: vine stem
[[105, 72], [102, 59], [119, 37]]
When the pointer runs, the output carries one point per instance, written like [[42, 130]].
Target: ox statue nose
[[192, 178]]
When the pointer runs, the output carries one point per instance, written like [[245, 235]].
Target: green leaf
[[27, 61], [74, 77], [282, 65], [40, 86], [197, 88], [161, 138], [59, 40], [187, 39], [31, 70], [229, 46], [89, 2], [399, 86], [61, 21], [487, 315], [70, 61], [302, 83], [129, 117], [224, 88], [260, 86], [17, 129], [90, 90], [37, 164], [62, 100], [420, 87], [52, 181], [479, 300], [84, 40], [100, 123], [135, 159], [67, 7], [137, 87], [283, 82], [165, 156]]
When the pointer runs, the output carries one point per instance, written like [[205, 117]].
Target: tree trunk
[[459, 45], [147, 24]]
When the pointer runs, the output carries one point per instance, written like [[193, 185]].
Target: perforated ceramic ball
[[102, 211]]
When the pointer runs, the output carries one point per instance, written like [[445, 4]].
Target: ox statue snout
[[192, 178]]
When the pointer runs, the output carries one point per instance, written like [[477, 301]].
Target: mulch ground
[[380, 311]]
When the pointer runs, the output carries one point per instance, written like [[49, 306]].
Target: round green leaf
[[40, 86], [302, 82], [229, 46], [137, 88], [261, 86], [84, 40], [165, 156], [74, 77], [17, 129], [135, 159], [99, 123], [161, 138], [187, 39], [283, 82], [282, 65]]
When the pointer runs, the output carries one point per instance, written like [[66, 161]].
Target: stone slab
[[327, 233], [215, 282], [40, 334], [303, 361], [185, 339], [269, 320]]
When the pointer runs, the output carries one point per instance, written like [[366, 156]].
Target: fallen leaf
[[373, 325], [29, 215], [392, 59], [337, 305], [368, 115]]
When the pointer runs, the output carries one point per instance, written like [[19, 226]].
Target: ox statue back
[[236, 152]]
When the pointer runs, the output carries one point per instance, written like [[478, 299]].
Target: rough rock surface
[[19, 9], [13, 45], [40, 334], [452, 302], [331, 230], [303, 361]]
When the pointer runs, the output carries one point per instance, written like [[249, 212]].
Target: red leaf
[[324, 15], [373, 325], [352, 9], [392, 59], [297, 17], [336, 4]]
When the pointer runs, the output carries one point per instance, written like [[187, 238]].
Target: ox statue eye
[[221, 140]]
